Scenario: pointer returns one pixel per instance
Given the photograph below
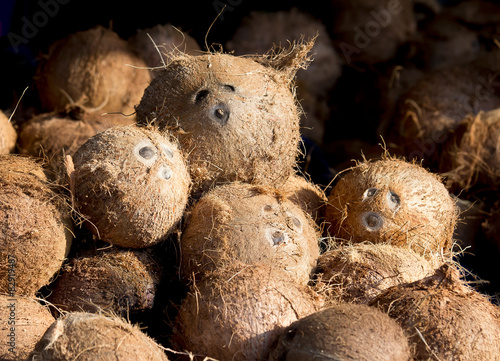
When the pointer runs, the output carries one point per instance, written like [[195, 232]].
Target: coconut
[[8, 135], [343, 332], [253, 225], [93, 68], [87, 336], [476, 12], [117, 282], [443, 318], [238, 313], [368, 31], [165, 39], [35, 226], [235, 117], [131, 184], [396, 202], [360, 272], [22, 322]]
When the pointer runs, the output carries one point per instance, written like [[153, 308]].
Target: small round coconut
[[88, 337], [237, 313], [93, 68], [8, 135], [116, 282], [473, 155], [343, 332], [396, 202], [156, 44], [444, 319], [131, 184], [23, 321], [239, 222], [435, 107], [235, 117], [360, 272], [35, 226], [368, 31]]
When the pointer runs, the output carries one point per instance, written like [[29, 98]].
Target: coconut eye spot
[[276, 237], [146, 153], [168, 152], [201, 95], [230, 88], [165, 172], [372, 221], [267, 208], [295, 222], [369, 193], [393, 200]]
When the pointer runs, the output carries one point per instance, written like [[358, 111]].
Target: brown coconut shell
[[239, 222], [235, 117], [117, 282], [382, 35], [237, 313], [343, 332], [87, 336], [359, 272], [23, 321], [8, 135], [131, 184], [443, 318], [168, 40], [95, 69], [396, 202], [35, 226]]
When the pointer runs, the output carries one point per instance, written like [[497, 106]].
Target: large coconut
[[35, 226], [117, 282], [443, 318], [238, 313], [89, 337], [359, 272], [93, 68], [8, 135], [248, 224], [342, 332], [131, 184], [396, 202], [22, 322], [235, 117]]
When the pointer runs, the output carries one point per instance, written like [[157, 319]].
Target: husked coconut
[[35, 226], [239, 222], [131, 184], [8, 135]]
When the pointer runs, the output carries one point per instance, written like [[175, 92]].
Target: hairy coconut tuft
[[237, 313], [235, 117], [117, 282], [239, 222], [443, 318], [396, 202], [23, 321], [8, 135], [88, 337], [343, 332], [35, 226], [360, 272], [95, 69], [131, 184]]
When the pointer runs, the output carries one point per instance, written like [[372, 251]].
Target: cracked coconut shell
[[35, 226], [235, 117], [8, 135], [239, 222], [131, 184]]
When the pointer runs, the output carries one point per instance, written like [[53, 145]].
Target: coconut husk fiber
[[119, 282], [8, 135], [343, 331], [395, 202], [239, 222], [237, 313], [25, 320], [131, 184], [358, 273], [35, 226], [95, 69], [236, 117], [443, 318], [88, 337]]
